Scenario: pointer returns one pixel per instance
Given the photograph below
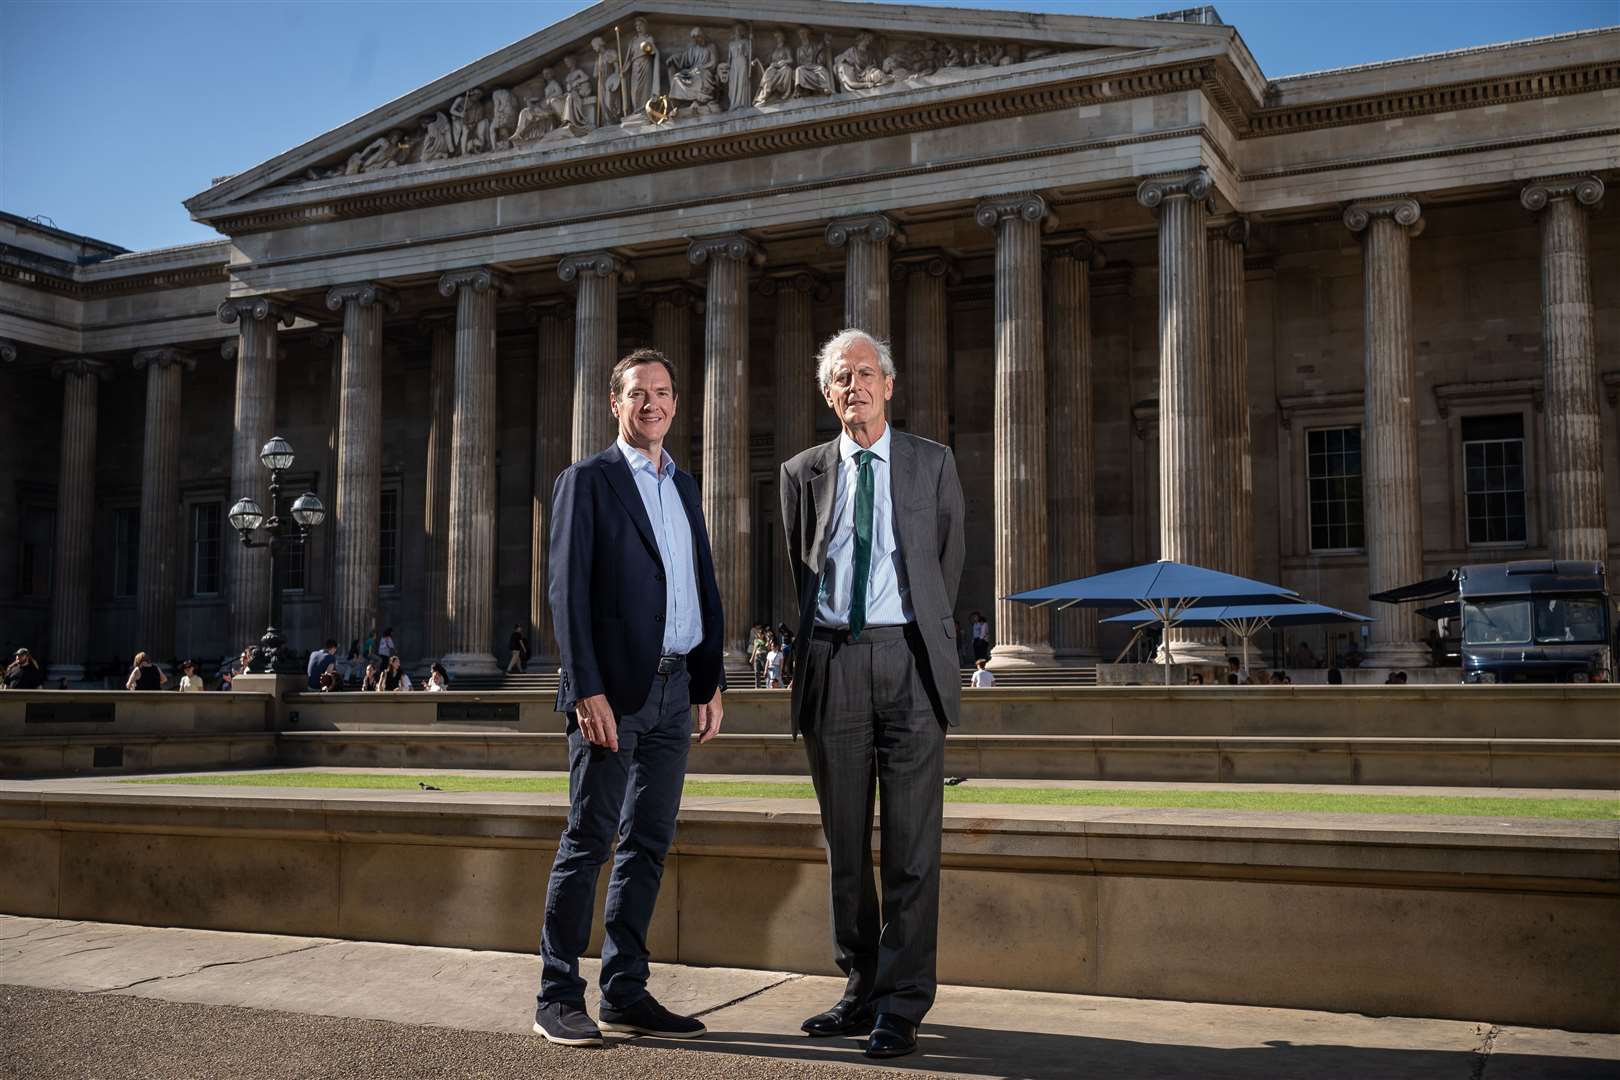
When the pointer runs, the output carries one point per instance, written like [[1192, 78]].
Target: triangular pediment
[[622, 69]]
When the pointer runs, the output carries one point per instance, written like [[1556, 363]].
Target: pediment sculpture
[[617, 85]]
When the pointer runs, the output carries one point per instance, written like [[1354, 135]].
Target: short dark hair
[[635, 360]]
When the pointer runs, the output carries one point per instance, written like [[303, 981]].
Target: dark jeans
[[871, 724], [651, 766]]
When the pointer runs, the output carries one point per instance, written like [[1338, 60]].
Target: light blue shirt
[[683, 612], [888, 600]]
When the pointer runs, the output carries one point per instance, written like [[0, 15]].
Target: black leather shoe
[[844, 1018], [892, 1036]]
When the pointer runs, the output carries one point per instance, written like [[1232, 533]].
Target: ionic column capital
[[875, 227], [680, 294], [556, 307], [1197, 185], [933, 263], [1020, 205], [1235, 229], [164, 357], [1081, 248], [601, 263], [364, 294], [1404, 211], [82, 366], [731, 246], [8, 352], [257, 308], [476, 278], [794, 279], [1587, 191]]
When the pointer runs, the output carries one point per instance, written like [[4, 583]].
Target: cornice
[[68, 283]]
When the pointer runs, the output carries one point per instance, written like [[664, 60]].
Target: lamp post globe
[[277, 454], [308, 511], [245, 516]]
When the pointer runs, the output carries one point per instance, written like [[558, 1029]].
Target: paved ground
[[111, 1002]]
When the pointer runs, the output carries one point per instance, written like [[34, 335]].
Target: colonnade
[[1044, 441]]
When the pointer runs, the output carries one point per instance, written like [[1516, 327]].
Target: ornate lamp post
[[269, 656]]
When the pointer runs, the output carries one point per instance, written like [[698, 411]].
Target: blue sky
[[112, 113]]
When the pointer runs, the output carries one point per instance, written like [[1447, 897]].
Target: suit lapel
[[823, 497], [624, 486]]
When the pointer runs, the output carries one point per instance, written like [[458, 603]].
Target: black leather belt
[[670, 664], [841, 635]]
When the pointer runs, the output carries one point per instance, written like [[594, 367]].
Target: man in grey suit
[[873, 522]]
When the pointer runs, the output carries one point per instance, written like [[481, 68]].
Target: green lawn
[[1282, 801]]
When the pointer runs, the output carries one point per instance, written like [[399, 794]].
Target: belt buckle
[[668, 664]]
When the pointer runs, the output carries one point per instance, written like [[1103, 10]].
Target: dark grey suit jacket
[[928, 511]]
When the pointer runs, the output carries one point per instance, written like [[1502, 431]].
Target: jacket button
[[658, 618], [660, 576]]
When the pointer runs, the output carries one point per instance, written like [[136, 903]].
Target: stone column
[[355, 549], [553, 412], [866, 269], [1389, 435], [798, 399], [1022, 634], [75, 517], [161, 552], [256, 352], [1185, 432], [1569, 368], [672, 307], [596, 344], [1071, 460], [470, 570], [441, 331], [927, 374], [727, 477], [1233, 480]]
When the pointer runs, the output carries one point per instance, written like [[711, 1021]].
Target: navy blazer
[[607, 587]]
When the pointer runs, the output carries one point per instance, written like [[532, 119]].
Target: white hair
[[833, 351]]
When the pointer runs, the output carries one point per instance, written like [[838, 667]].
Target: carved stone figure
[[438, 139], [738, 70], [609, 84], [646, 70], [858, 67], [949, 55], [382, 153], [469, 117], [777, 81], [580, 90], [563, 105], [810, 75], [503, 118], [534, 122], [692, 71]]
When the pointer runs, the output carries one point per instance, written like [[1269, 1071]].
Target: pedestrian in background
[[393, 676], [189, 679], [385, 647], [145, 675], [756, 654], [773, 663], [320, 662], [24, 673], [370, 680], [438, 679], [980, 630], [983, 678], [518, 646], [225, 679]]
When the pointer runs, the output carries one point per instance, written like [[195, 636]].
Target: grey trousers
[[870, 724]]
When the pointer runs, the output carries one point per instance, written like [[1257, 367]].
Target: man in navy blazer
[[639, 625]]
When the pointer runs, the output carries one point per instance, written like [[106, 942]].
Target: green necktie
[[863, 543]]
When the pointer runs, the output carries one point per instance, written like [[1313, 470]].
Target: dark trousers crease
[[873, 730]]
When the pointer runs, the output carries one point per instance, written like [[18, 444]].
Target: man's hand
[[596, 721], [708, 718]]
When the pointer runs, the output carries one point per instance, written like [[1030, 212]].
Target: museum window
[[388, 539], [1333, 469], [34, 549], [126, 551], [205, 549], [1493, 478], [290, 556]]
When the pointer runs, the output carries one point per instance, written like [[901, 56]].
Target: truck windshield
[[1557, 620]]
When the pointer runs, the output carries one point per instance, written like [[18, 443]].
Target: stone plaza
[[1340, 330]]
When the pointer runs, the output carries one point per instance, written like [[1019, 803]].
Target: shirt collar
[[848, 447], [637, 460]]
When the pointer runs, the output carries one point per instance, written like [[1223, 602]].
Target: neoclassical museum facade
[[1338, 330]]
